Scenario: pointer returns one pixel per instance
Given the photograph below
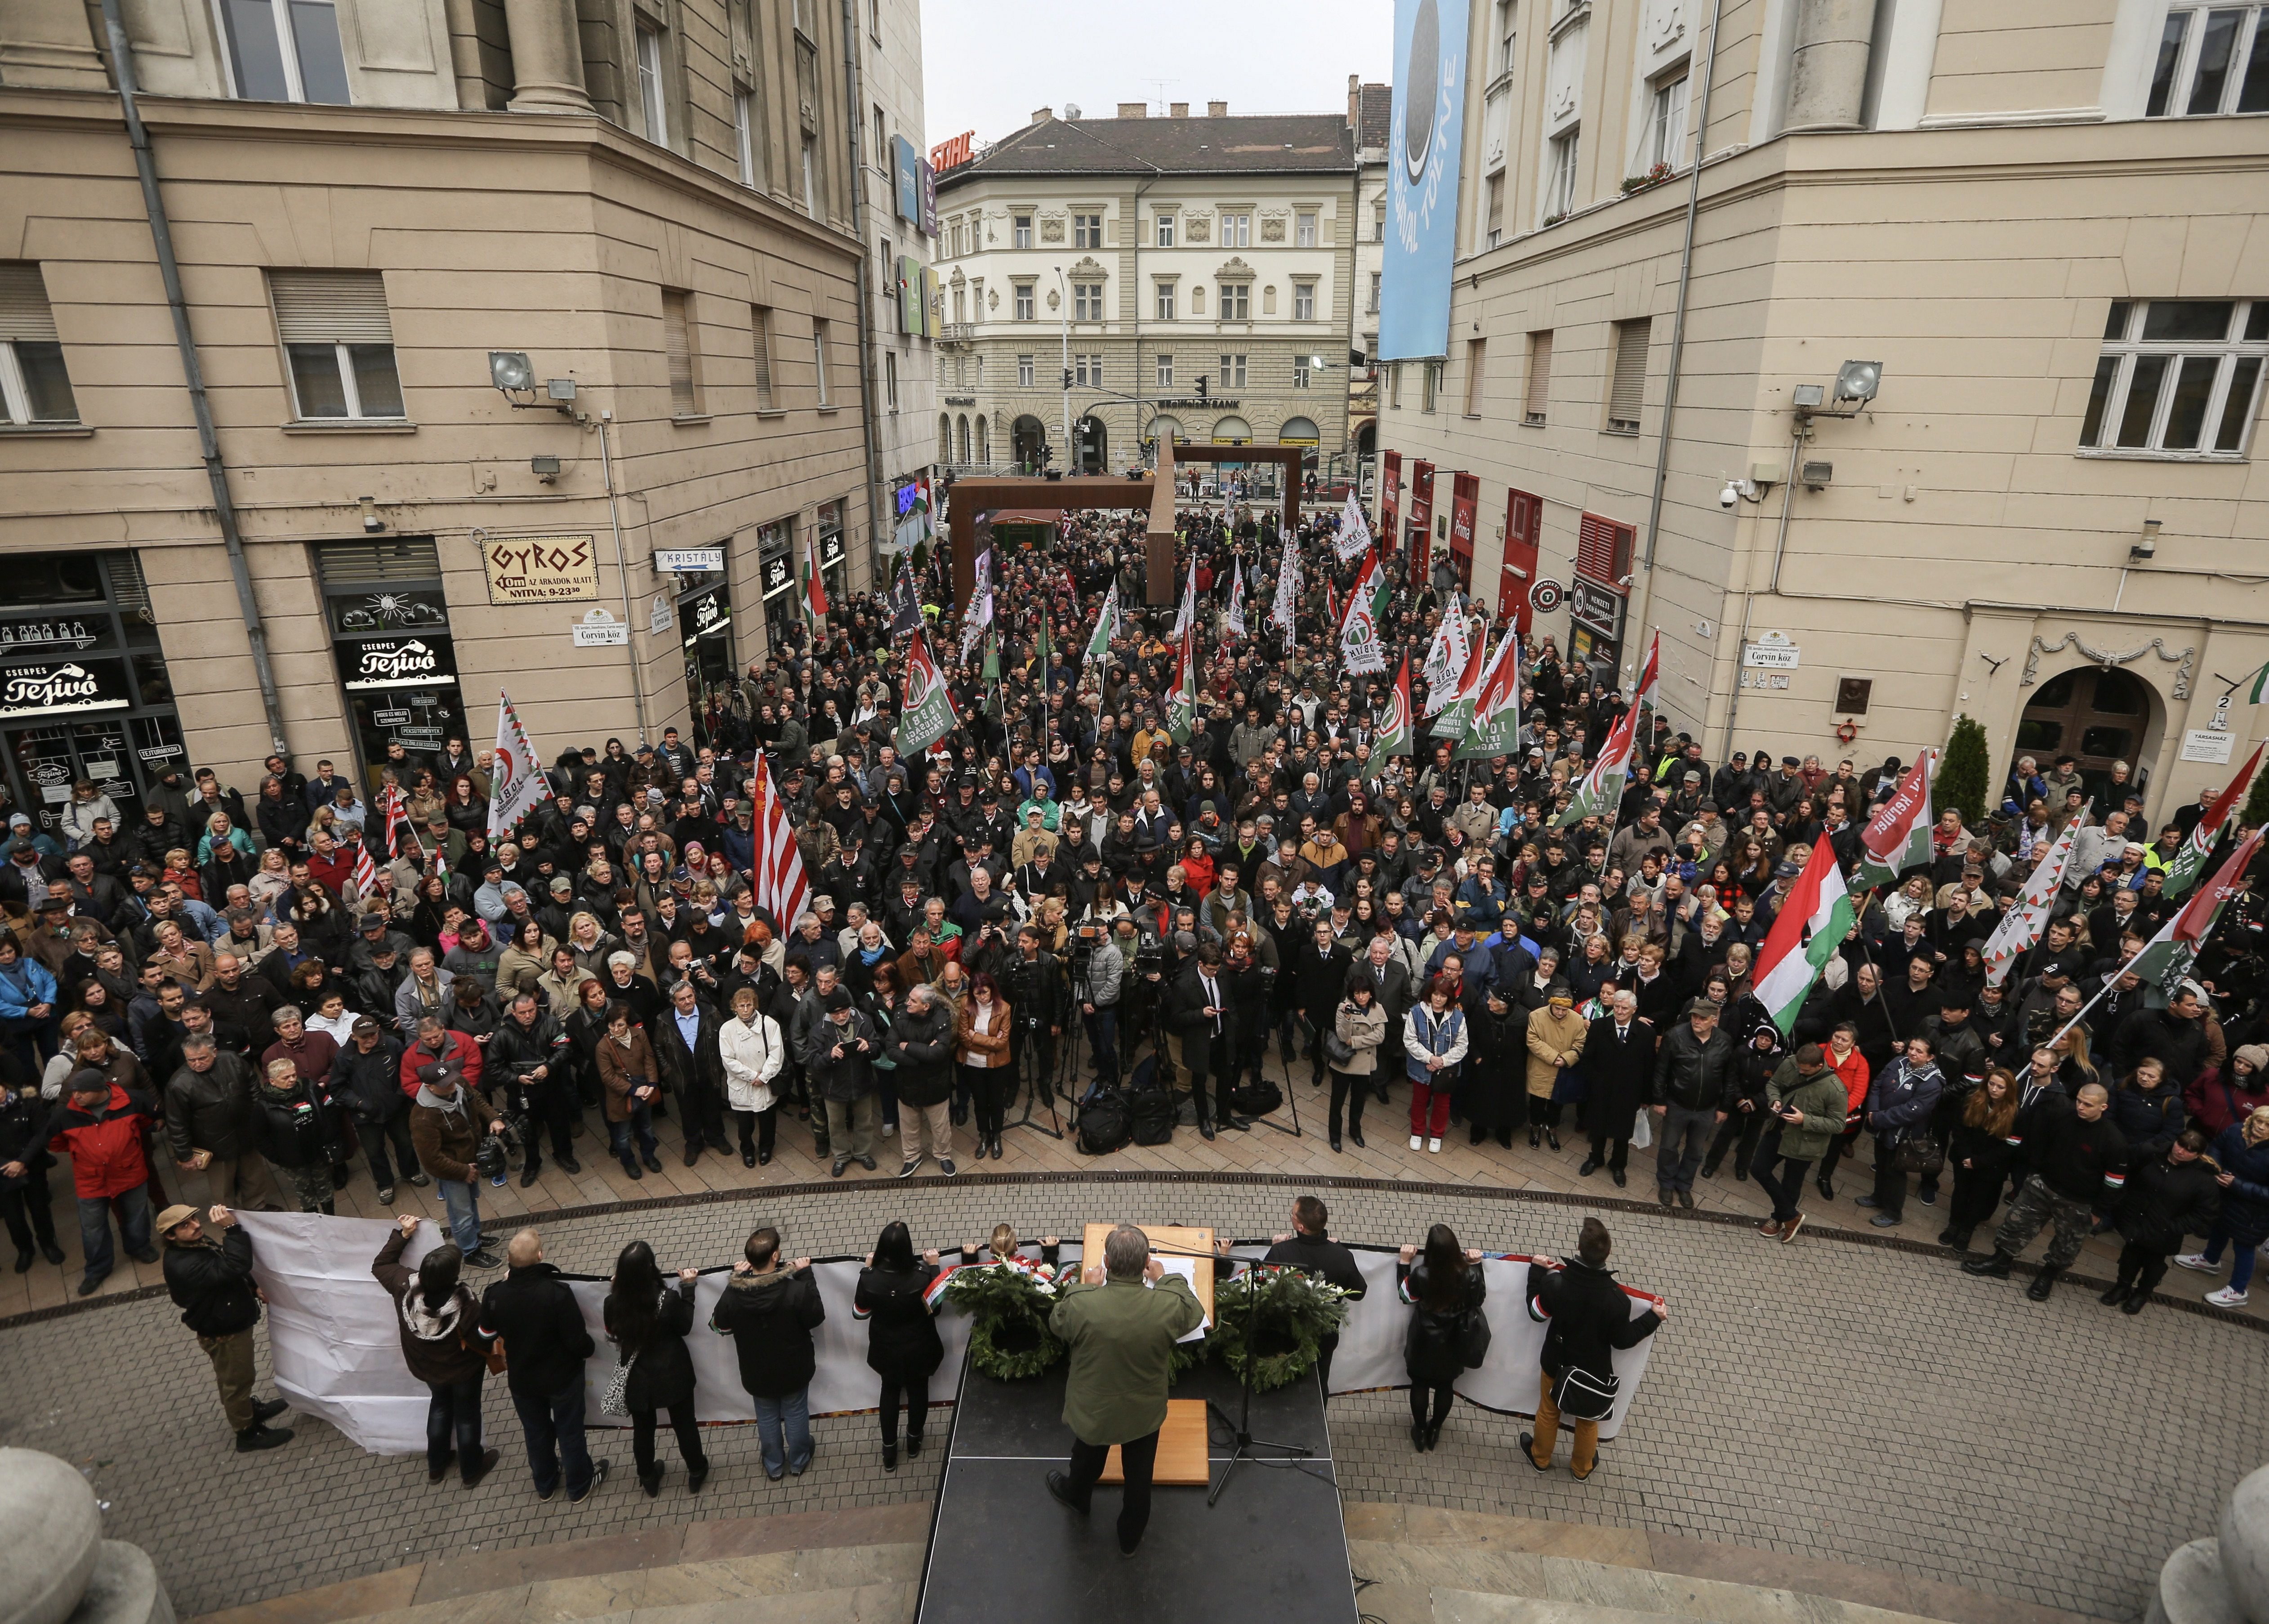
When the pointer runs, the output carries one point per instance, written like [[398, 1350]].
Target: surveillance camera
[[1729, 496]]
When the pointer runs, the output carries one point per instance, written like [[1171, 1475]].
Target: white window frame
[[819, 361], [342, 355], [1303, 228], [1025, 373], [1236, 231], [1165, 231], [1232, 371], [1559, 183], [1020, 231], [1087, 301], [1165, 306], [287, 47], [1087, 231], [1303, 301], [1024, 302], [745, 134], [1373, 308], [2123, 355], [1165, 370], [1300, 372], [890, 381], [810, 177], [1666, 125], [2181, 45], [650, 84], [16, 394], [1234, 302]]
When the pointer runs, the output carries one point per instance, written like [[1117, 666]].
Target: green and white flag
[[1182, 701], [928, 715], [1898, 838], [1600, 791], [1361, 652], [2167, 956], [1815, 919], [1495, 729], [1393, 736], [2255, 686]]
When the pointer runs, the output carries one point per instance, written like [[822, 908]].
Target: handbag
[[1337, 1050], [1474, 1334], [616, 1399], [1918, 1152], [1567, 1085], [1582, 1396]]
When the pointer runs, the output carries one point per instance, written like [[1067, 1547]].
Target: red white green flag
[[1458, 701], [2189, 862], [1182, 700], [1897, 837], [1814, 917], [2167, 956], [1650, 678]]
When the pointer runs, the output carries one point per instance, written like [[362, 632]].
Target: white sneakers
[[1433, 1146], [1416, 1143], [2197, 1260], [2226, 1298]]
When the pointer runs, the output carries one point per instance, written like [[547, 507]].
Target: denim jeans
[[454, 1414], [94, 1228], [375, 1137], [553, 1427], [1786, 1189], [1103, 1039], [2241, 1265], [638, 1127], [790, 1416], [1685, 1139], [462, 1203]]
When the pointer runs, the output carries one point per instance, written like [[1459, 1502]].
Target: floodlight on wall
[[1857, 382], [514, 376], [510, 371], [1808, 396]]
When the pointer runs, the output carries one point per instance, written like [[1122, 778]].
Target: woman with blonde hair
[[589, 943]]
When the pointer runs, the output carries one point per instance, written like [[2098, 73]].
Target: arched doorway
[[1366, 441], [984, 440], [961, 437], [1028, 443], [2097, 716], [944, 436], [1094, 445]]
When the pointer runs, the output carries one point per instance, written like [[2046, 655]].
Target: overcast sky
[[988, 64]]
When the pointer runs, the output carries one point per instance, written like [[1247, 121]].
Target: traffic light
[[1201, 386]]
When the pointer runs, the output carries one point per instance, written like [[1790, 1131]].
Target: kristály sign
[[689, 560], [59, 687], [399, 662], [541, 569]]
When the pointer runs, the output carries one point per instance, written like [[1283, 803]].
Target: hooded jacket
[[770, 1317], [440, 1345], [447, 1132]]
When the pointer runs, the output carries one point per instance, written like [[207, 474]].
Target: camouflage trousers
[[2037, 1206]]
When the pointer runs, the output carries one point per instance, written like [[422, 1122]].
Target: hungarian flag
[[1188, 611], [2189, 862], [929, 714], [1459, 700], [1601, 789], [1394, 738], [2021, 927], [2167, 956], [1495, 729], [1106, 627], [1650, 678], [519, 785], [778, 879], [1182, 701], [2255, 686], [815, 589], [1814, 917], [1897, 837]]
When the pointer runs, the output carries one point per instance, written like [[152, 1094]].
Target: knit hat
[[2255, 1055]]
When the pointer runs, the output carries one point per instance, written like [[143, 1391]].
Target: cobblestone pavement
[[1843, 1401]]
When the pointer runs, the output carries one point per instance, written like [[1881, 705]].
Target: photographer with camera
[[447, 1122], [529, 1054], [1098, 971], [1033, 982]]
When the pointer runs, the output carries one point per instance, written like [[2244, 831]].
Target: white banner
[[1354, 533], [337, 1350], [520, 786]]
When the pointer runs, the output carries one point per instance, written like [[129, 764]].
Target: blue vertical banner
[[907, 181], [1423, 147]]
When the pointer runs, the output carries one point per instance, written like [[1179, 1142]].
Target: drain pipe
[[868, 365], [622, 567], [1800, 432], [146, 166], [1637, 623]]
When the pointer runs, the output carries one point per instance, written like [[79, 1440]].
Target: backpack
[[1255, 1099], [1152, 1114], [1103, 1122]]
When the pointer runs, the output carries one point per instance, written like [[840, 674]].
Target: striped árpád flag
[[365, 871], [778, 882]]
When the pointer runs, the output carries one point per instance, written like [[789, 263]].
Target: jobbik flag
[[1495, 729], [1457, 701], [1354, 531], [1106, 627], [2166, 959], [1445, 655], [1649, 691], [1235, 619], [979, 611], [1361, 652], [929, 714], [1188, 611], [2189, 862], [1395, 735], [1182, 699], [1601, 789], [2022, 926], [1814, 917], [1284, 612], [1897, 837], [518, 785]]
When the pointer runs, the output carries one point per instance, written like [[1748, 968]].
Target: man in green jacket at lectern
[[1120, 1322]]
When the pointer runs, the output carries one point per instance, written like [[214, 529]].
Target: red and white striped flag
[[779, 883], [400, 837], [366, 872]]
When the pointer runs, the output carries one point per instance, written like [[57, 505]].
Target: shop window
[[339, 341], [35, 387]]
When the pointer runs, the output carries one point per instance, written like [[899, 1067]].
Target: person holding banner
[[903, 1346], [1591, 1318], [437, 1319], [647, 1321]]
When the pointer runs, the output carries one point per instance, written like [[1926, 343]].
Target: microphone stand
[[1242, 1427]]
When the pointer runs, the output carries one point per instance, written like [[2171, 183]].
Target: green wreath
[[1008, 1335], [1294, 1312]]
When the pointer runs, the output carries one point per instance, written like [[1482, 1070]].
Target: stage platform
[[1001, 1549]]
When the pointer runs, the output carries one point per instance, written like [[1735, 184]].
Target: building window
[[1508, 33], [1024, 372], [1020, 229], [977, 377], [1540, 377], [745, 135], [2179, 377], [1429, 380], [339, 341], [1379, 224], [677, 344], [1165, 301], [284, 50], [1560, 184], [650, 81], [1165, 371], [1496, 193], [1477, 366], [1373, 308], [1667, 129], [33, 386], [1626, 391], [1023, 301], [1304, 229], [810, 179], [1299, 372], [1087, 301], [819, 360], [1236, 301], [2198, 69], [1395, 387], [1087, 371], [1303, 301], [890, 382], [882, 142], [1232, 372], [1165, 231], [760, 342], [1086, 231], [1236, 231]]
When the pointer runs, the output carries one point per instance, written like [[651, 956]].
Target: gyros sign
[[62, 687]]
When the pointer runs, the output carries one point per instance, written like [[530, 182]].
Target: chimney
[[1179, 109], [1355, 100], [1134, 109], [1042, 115], [1216, 109]]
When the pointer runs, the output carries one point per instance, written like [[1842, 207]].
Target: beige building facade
[[2044, 223], [1141, 254], [639, 219]]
